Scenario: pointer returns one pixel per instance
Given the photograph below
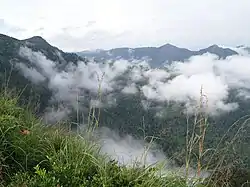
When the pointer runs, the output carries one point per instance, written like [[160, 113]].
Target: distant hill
[[125, 113], [157, 56], [9, 57]]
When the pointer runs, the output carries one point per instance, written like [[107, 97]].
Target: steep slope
[[33, 155], [133, 95], [11, 75], [37, 43]]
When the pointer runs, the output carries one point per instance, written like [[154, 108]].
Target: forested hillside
[[203, 94]]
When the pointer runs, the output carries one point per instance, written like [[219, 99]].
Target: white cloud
[[216, 77], [130, 89], [38, 60], [128, 150], [179, 82], [54, 115], [156, 75], [31, 73], [84, 24]]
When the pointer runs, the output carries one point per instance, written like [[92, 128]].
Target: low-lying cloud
[[133, 152], [178, 81], [127, 150]]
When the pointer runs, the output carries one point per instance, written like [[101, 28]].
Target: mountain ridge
[[124, 112], [10, 58], [157, 55]]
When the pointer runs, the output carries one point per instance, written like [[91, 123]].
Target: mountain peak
[[168, 45], [214, 46], [40, 43], [217, 50], [37, 40]]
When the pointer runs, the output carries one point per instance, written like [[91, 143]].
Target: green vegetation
[[35, 155], [32, 154]]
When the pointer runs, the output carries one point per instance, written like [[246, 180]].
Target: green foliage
[[58, 154], [37, 156]]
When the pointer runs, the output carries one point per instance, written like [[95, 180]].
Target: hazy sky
[[76, 25]]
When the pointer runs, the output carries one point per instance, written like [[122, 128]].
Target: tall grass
[[33, 154], [200, 122], [195, 140], [52, 156]]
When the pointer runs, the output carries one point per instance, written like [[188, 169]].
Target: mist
[[180, 82]]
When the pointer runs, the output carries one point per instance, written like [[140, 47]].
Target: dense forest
[[167, 122]]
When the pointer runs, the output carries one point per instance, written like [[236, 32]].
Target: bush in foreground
[[34, 155]]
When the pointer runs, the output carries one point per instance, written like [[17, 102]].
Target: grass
[[223, 172], [35, 155]]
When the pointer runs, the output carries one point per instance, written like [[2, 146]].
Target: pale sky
[[76, 25]]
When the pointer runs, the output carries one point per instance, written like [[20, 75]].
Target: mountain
[[157, 56], [67, 88], [9, 50], [219, 51], [37, 43], [11, 75]]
